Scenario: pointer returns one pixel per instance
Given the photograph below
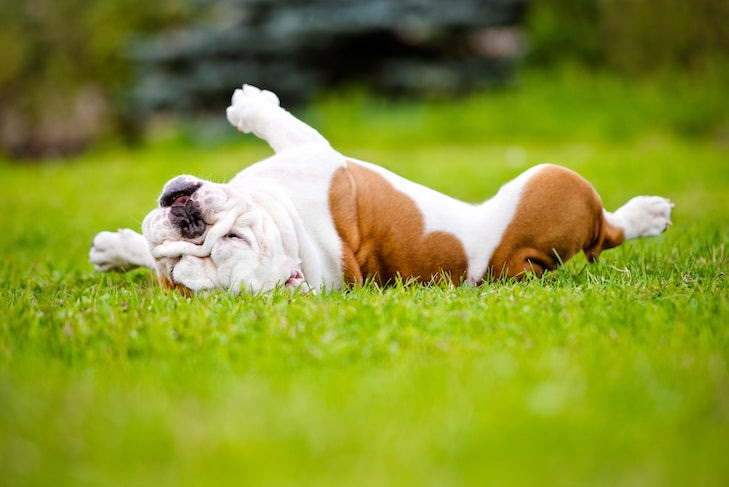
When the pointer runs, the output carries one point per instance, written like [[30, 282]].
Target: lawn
[[609, 374]]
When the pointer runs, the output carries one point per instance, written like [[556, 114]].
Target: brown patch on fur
[[383, 232], [168, 285], [559, 214]]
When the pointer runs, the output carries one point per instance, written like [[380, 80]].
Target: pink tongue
[[181, 200], [295, 279]]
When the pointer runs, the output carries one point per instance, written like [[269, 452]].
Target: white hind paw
[[643, 216]]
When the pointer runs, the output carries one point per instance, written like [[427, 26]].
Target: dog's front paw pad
[[252, 94], [117, 251], [237, 110], [246, 103], [270, 97], [105, 252]]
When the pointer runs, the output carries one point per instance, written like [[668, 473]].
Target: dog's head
[[207, 236]]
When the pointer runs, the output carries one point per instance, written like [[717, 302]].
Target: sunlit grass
[[614, 373]]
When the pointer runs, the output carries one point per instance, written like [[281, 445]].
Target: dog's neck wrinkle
[[273, 207], [295, 240]]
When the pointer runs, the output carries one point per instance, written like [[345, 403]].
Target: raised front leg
[[258, 111], [120, 251]]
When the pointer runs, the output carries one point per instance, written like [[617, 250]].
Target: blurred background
[[78, 73], [614, 374]]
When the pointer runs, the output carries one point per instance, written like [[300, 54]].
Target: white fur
[[258, 111], [122, 250], [642, 216]]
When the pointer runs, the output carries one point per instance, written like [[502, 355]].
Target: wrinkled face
[[206, 236]]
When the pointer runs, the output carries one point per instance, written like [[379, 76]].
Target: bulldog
[[311, 218]]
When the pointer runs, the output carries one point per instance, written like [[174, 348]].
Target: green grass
[[614, 373]]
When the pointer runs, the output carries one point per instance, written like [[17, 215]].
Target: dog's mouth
[[181, 200], [199, 236], [297, 281], [180, 188]]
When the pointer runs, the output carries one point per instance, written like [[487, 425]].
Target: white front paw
[[120, 251], [645, 216], [247, 103]]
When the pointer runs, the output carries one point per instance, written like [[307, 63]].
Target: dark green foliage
[[631, 36]]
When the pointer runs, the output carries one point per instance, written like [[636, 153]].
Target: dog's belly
[[360, 221], [383, 231], [390, 227]]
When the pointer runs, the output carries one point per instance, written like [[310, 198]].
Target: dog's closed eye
[[238, 237]]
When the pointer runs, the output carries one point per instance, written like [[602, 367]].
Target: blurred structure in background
[[297, 48], [76, 71]]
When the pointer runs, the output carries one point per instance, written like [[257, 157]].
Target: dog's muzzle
[[185, 213]]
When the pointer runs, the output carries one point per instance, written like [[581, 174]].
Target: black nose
[[179, 187], [187, 217], [184, 212]]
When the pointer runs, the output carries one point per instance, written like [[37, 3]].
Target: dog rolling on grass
[[309, 217]]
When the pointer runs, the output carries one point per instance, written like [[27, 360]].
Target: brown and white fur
[[310, 217]]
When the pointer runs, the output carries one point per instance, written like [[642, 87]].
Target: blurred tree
[[64, 69], [295, 47]]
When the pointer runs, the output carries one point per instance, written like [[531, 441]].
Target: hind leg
[[642, 216], [559, 214]]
